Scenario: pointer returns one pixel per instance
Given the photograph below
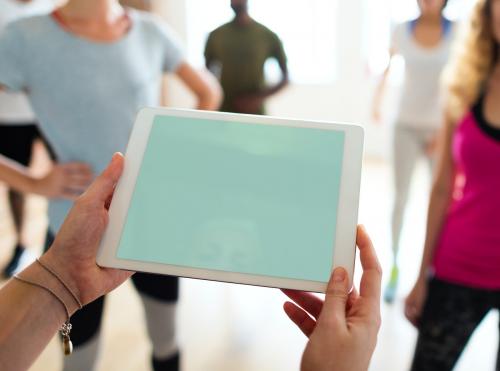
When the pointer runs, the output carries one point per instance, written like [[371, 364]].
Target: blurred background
[[337, 51]]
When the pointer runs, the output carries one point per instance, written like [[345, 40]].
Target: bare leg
[[406, 153], [16, 201], [17, 144]]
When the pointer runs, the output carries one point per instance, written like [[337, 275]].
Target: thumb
[[337, 293], [102, 188]]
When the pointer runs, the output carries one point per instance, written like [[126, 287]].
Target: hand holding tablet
[[236, 198], [345, 320], [342, 331]]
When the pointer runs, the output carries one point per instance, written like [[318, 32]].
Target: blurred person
[[18, 130], [424, 43], [87, 68], [342, 330], [237, 52], [459, 280]]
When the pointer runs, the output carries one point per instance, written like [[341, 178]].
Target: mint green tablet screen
[[236, 197]]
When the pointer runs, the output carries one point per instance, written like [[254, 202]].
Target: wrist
[[63, 274], [76, 273], [28, 184], [425, 273], [37, 275]]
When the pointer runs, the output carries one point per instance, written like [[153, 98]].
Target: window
[[306, 27]]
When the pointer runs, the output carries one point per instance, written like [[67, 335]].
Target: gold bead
[[67, 346]]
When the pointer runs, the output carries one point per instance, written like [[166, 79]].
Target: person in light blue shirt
[[87, 69], [18, 132]]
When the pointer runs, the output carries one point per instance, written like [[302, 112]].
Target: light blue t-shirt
[[86, 94]]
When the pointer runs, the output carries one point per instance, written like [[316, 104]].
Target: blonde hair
[[474, 56]]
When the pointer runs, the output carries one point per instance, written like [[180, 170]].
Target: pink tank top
[[468, 249]]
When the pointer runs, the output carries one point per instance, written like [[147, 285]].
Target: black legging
[[87, 321], [450, 316]]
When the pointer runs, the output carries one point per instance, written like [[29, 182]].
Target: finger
[[411, 316], [75, 188], [107, 204], [115, 277], [79, 182], [412, 313], [68, 194], [336, 298], [72, 168], [372, 272], [80, 176], [353, 296], [310, 302], [298, 316], [102, 188]]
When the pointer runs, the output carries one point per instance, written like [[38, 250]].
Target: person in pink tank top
[[459, 280]]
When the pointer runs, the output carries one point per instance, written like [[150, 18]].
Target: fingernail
[[115, 157], [339, 275], [362, 227]]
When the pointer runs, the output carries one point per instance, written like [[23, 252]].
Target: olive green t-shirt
[[242, 51]]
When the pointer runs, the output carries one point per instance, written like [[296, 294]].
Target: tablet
[[236, 198]]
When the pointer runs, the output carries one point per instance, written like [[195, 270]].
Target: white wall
[[348, 99]]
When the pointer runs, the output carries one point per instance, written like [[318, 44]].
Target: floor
[[230, 327]]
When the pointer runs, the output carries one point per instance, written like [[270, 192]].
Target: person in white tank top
[[424, 44], [18, 129]]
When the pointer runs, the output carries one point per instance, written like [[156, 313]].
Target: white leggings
[[409, 144]]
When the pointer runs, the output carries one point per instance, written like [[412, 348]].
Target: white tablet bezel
[[344, 253]]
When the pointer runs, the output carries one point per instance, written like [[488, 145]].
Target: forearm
[[209, 100], [29, 318], [438, 207], [275, 88], [15, 175], [36, 303], [209, 93], [204, 86], [380, 89], [381, 85]]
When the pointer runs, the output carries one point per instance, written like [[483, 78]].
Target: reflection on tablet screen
[[236, 197]]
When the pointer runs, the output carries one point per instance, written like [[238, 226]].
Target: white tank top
[[420, 103], [14, 107]]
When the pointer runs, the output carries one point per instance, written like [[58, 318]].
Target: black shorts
[[16, 141]]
